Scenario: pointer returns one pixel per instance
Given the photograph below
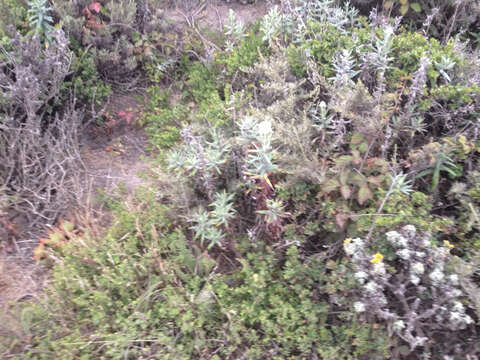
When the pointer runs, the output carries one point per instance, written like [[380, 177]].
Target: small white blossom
[[418, 268], [453, 279], [398, 325], [455, 317], [371, 286], [361, 277], [458, 307], [396, 239], [359, 307], [414, 279], [426, 242], [420, 340], [409, 230], [455, 293], [436, 275], [467, 319], [353, 246], [420, 254], [379, 268], [392, 236], [264, 128], [382, 299], [404, 254]]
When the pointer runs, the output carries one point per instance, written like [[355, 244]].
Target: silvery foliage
[[445, 64], [207, 223], [322, 120], [39, 18], [400, 183], [276, 23], [257, 138], [234, 29], [327, 11], [200, 159], [415, 293], [39, 150], [419, 81], [293, 17], [381, 49], [344, 64]]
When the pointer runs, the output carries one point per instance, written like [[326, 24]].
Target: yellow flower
[[448, 244], [255, 277], [347, 240], [377, 258]]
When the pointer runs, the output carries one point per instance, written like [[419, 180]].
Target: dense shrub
[[439, 19], [266, 309], [318, 199], [416, 291], [38, 140]]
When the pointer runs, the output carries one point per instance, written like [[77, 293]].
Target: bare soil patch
[[213, 15]]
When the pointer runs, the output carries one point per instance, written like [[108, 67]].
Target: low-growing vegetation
[[314, 190]]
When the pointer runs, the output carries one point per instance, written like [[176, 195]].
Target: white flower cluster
[[418, 278], [354, 247], [458, 316]]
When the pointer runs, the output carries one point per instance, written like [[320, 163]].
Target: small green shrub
[[245, 54], [85, 81], [400, 209], [162, 120], [14, 13]]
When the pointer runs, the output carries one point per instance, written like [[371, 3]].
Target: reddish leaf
[[39, 252], [86, 13], [95, 6], [128, 116]]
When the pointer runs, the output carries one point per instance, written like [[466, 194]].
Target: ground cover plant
[[313, 191]]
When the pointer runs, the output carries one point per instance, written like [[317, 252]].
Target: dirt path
[[213, 15], [117, 154]]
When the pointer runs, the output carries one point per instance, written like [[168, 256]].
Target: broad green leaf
[[358, 179], [364, 194], [416, 7], [344, 160], [344, 177], [404, 9], [331, 185], [363, 147]]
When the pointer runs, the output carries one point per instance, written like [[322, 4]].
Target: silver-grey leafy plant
[[413, 288]]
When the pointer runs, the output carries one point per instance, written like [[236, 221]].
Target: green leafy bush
[[13, 13], [162, 120], [144, 290], [85, 81], [244, 55]]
